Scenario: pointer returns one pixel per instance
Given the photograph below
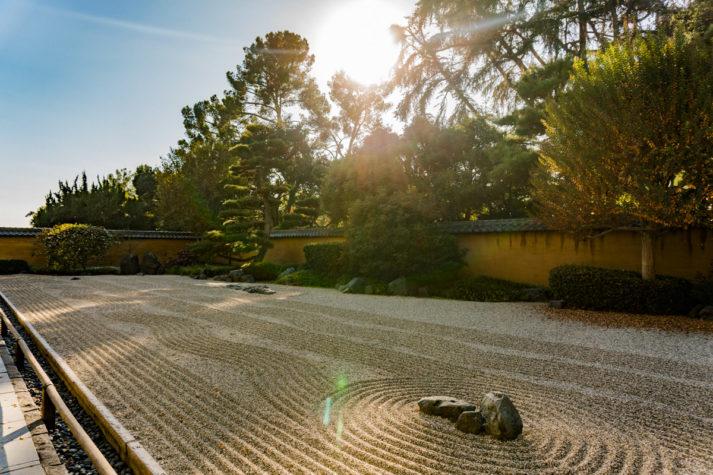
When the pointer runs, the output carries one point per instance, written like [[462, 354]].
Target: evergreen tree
[[629, 142], [256, 187]]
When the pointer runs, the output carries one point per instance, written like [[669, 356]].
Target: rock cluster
[[149, 265], [235, 275], [497, 415], [253, 289]]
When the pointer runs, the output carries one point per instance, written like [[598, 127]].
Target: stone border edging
[[129, 449]]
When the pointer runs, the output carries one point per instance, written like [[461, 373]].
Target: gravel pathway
[[214, 380]]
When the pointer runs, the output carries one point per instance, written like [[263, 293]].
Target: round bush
[[71, 247]]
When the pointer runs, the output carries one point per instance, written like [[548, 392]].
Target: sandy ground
[[214, 380]]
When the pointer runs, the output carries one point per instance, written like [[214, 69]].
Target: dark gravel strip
[[69, 451]]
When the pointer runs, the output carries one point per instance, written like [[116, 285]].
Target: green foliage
[[469, 170], [373, 169], [250, 213], [70, 247], [455, 53], [623, 291], [325, 259], [263, 271], [121, 200], [391, 236], [14, 266], [486, 289], [307, 278], [360, 108], [630, 140]]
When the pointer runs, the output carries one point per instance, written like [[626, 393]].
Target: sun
[[355, 37]]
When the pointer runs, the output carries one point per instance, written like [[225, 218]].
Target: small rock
[[706, 313], [202, 276], [222, 278], [354, 286], [259, 289], [234, 286], [286, 272], [247, 278], [151, 265], [470, 422], [399, 286], [129, 264], [501, 419], [74, 278], [235, 275], [556, 304], [444, 406]]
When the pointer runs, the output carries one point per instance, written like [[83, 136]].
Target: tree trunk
[[648, 271]]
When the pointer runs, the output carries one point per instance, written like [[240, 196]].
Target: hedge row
[[325, 259], [624, 291], [13, 266]]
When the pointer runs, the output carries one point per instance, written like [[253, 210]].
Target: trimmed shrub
[[307, 278], [263, 271], [325, 259], [391, 236], [71, 247], [623, 291], [13, 266], [487, 289]]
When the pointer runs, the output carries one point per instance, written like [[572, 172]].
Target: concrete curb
[[129, 449]]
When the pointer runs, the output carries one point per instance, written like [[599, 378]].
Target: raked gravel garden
[[213, 379]]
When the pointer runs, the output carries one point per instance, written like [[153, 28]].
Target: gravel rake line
[[70, 452], [286, 350]]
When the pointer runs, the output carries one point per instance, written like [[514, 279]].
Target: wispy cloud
[[132, 26]]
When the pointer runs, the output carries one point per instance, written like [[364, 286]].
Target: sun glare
[[355, 37]]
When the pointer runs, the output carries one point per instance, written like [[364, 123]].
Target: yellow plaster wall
[[518, 256], [529, 256], [290, 250], [25, 248]]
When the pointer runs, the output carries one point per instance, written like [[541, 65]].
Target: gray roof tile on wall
[[123, 234], [494, 226], [455, 227]]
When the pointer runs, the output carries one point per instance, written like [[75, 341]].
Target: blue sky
[[98, 85]]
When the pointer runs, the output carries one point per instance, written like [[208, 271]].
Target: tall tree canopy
[[456, 54], [630, 141], [120, 200]]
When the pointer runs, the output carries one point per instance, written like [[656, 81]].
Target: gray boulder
[[252, 289], [706, 313], [444, 406], [150, 264], [129, 264], [259, 289], [235, 275], [354, 286], [501, 419], [399, 286], [470, 422], [222, 278]]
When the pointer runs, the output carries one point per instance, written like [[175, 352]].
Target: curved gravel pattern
[[213, 380]]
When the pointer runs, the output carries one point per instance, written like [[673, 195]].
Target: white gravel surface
[[311, 380]]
